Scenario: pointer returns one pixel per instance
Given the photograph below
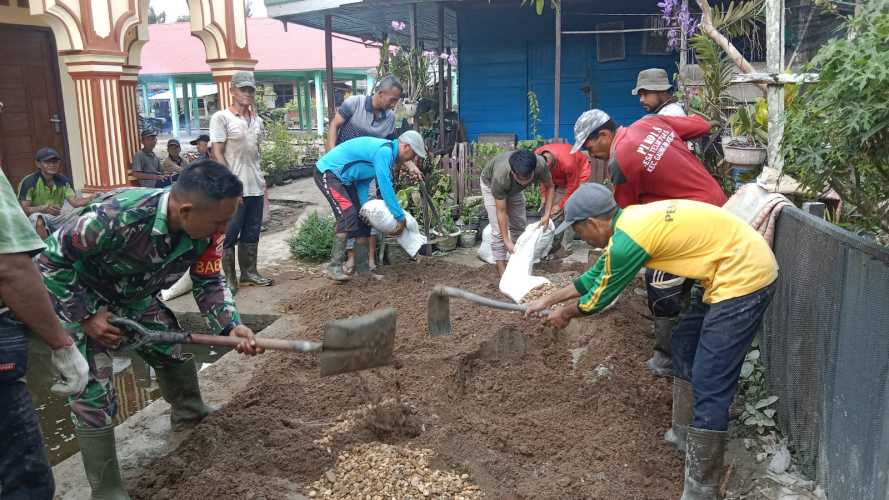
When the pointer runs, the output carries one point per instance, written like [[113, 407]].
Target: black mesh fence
[[826, 350]]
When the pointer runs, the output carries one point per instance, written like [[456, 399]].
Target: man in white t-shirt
[[654, 91], [235, 134]]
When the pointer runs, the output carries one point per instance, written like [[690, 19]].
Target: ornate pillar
[[222, 27], [100, 111], [100, 43]]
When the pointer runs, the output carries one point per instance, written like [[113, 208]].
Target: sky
[[176, 8]]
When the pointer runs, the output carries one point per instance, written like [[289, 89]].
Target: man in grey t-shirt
[[146, 166], [503, 181], [367, 116]]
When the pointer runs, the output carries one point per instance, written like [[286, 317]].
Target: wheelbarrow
[[348, 345]]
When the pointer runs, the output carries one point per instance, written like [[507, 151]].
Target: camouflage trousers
[[96, 406]]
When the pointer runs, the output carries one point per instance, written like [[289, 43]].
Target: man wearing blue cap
[[737, 271], [43, 193]]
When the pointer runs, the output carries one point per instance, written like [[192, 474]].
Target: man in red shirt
[[650, 161], [568, 170]]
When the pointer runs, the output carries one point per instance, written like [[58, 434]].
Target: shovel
[[348, 345], [439, 307]]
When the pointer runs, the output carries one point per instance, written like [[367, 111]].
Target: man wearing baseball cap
[[653, 88], [43, 193], [202, 143], [344, 175], [649, 161], [235, 133], [737, 271]]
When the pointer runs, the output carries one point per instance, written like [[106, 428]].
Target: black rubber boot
[[683, 400], [99, 454], [228, 268], [247, 255], [179, 387], [337, 259], [703, 464], [661, 362], [362, 261]]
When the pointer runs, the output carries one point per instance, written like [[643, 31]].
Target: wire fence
[[826, 350]]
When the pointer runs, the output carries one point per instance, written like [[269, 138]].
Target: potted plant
[[448, 241], [746, 147]]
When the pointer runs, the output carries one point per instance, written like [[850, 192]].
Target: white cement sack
[[747, 201], [181, 287], [378, 215], [485, 252], [544, 242], [517, 280]]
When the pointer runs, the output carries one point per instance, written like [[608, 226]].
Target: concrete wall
[[20, 16]]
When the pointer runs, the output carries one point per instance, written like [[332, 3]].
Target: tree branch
[[724, 43]]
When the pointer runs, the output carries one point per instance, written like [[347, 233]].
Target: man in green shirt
[[503, 181], [25, 309], [43, 193]]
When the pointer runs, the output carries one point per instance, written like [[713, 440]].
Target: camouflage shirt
[[119, 251]]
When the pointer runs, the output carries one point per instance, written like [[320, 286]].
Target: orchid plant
[[679, 20]]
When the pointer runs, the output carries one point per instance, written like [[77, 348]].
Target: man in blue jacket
[[344, 174]]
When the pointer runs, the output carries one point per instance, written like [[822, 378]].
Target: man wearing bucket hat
[[653, 88], [236, 133], [649, 161], [344, 175], [737, 271]]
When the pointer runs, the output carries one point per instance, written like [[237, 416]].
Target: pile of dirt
[[522, 410]]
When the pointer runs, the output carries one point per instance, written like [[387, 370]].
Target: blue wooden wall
[[505, 51]]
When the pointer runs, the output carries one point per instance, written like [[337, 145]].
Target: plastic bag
[[517, 280], [181, 287], [377, 214], [485, 252]]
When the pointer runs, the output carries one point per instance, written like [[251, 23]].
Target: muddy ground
[[512, 407]]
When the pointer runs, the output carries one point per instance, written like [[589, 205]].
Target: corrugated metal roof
[[369, 19]]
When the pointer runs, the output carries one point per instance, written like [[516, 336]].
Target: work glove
[[73, 368]]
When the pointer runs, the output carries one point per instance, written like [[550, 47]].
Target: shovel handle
[[479, 299], [276, 344]]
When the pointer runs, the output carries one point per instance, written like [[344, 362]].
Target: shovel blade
[[358, 343], [438, 312]]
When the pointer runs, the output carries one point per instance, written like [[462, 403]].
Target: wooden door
[[32, 115]]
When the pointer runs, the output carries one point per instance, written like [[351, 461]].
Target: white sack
[[544, 242], [747, 201], [378, 215], [485, 252], [181, 287], [517, 280]]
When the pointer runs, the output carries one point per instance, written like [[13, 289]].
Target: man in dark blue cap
[[43, 193]]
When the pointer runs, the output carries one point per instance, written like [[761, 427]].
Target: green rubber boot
[[99, 455], [337, 259], [229, 269], [703, 464], [179, 387], [247, 255], [661, 363]]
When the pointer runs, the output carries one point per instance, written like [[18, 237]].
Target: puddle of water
[[134, 383]]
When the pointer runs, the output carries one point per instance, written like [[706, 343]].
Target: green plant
[[281, 156], [751, 123], [314, 238], [752, 391], [532, 197], [533, 113], [836, 133], [539, 4]]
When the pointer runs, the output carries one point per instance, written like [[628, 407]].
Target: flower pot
[[467, 238], [447, 243], [744, 156], [394, 253]]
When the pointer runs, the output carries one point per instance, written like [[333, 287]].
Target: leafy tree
[[836, 132]]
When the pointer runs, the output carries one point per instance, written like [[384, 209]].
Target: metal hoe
[[439, 307], [348, 345]]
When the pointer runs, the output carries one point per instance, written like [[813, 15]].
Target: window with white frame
[[610, 46]]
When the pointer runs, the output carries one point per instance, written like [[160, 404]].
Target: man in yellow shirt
[[737, 271]]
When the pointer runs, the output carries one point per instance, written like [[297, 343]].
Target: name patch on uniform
[[210, 262]]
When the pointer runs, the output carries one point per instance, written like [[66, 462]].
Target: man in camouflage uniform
[[113, 259]]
